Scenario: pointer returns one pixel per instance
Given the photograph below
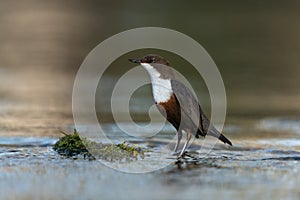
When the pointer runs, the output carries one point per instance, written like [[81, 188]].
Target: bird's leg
[[188, 138], [178, 140]]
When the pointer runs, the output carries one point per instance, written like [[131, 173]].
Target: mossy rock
[[71, 145], [74, 146]]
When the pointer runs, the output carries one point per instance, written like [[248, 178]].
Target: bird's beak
[[134, 60]]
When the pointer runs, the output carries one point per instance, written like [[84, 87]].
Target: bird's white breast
[[161, 88]]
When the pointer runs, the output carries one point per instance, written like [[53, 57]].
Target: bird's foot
[[179, 154], [182, 155], [186, 155], [187, 158]]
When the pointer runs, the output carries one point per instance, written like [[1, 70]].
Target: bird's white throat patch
[[161, 88]]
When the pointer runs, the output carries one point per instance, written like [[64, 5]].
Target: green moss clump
[[71, 145]]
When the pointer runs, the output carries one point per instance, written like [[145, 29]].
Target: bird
[[176, 102]]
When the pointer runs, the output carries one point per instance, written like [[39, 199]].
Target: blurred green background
[[255, 44]]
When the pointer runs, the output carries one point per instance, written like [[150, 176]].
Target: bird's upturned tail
[[214, 132], [224, 139]]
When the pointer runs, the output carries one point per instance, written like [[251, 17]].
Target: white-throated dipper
[[176, 102]]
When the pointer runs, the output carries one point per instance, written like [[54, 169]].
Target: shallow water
[[255, 46], [259, 167]]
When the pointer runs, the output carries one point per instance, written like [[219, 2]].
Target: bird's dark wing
[[190, 107], [192, 111]]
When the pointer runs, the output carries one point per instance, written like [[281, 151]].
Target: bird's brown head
[[151, 59], [161, 64]]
